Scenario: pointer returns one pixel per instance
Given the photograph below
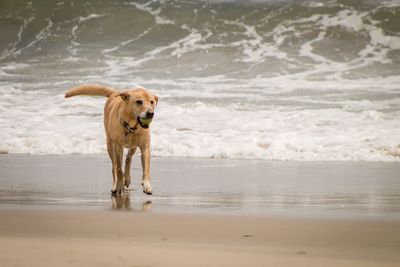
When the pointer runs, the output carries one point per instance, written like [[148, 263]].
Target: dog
[[127, 116]]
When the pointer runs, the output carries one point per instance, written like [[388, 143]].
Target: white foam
[[13, 51], [125, 43], [191, 42], [389, 3], [73, 47], [154, 12], [255, 49], [328, 134], [357, 131]]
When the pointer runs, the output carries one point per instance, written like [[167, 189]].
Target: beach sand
[[57, 211], [82, 238]]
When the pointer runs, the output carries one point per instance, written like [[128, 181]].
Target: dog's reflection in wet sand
[[123, 202]]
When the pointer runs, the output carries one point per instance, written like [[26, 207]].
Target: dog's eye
[[139, 102], [152, 102]]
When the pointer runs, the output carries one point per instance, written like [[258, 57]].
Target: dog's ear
[[156, 98], [124, 95]]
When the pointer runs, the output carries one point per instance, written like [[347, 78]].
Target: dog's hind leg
[[127, 172]]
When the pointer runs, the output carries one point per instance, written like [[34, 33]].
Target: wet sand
[[243, 187], [110, 238], [57, 211]]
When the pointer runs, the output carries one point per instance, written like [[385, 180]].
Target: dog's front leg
[[118, 185], [145, 158], [127, 172]]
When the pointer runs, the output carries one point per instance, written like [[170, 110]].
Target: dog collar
[[127, 127], [132, 129]]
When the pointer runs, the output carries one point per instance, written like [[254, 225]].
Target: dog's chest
[[131, 140]]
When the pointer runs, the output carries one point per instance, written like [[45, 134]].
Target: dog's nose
[[149, 114]]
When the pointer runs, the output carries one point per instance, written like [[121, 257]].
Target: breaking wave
[[285, 80]]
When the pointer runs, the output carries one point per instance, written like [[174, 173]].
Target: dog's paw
[[147, 189], [128, 189], [118, 188], [127, 182]]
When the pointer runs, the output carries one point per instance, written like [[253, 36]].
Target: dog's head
[[140, 103]]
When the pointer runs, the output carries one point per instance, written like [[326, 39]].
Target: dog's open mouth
[[144, 122]]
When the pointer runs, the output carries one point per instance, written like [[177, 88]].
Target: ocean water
[[279, 80]]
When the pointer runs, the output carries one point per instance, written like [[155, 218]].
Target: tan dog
[[127, 116]]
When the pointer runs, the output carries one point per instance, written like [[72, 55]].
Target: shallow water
[[205, 186], [281, 80]]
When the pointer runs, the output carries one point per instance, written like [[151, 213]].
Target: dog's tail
[[90, 90]]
